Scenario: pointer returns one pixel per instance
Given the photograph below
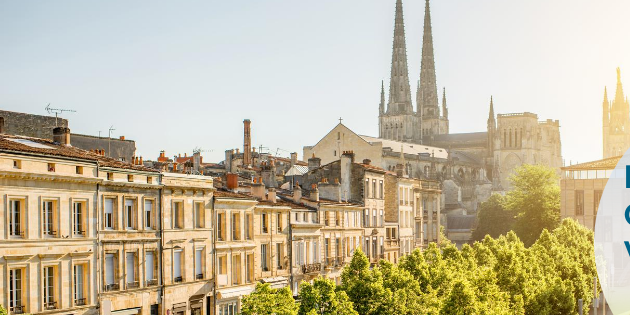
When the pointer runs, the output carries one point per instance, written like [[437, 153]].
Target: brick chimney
[[258, 188], [232, 181], [271, 195], [314, 193], [61, 135], [297, 193], [247, 142], [293, 158], [314, 163]]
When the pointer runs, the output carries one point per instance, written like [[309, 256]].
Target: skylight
[[31, 144]]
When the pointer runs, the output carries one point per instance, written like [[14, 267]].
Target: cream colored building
[[581, 189]]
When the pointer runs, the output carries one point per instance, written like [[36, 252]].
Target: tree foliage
[[267, 301], [493, 219]]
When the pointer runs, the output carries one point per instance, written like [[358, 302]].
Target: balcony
[[178, 279], [79, 302], [199, 276], [112, 287], [133, 285], [18, 309], [312, 268], [50, 233], [50, 305], [334, 262], [152, 282]]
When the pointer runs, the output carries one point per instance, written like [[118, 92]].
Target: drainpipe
[[98, 245], [290, 252], [160, 210], [214, 258]]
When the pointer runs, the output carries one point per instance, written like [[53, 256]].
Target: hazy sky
[[175, 75]]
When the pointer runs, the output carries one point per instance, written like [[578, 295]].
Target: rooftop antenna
[[57, 111], [109, 141]]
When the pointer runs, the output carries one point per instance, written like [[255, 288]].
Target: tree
[[267, 301], [321, 298], [535, 198], [493, 219], [3, 311], [365, 287]]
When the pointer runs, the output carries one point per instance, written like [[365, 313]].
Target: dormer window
[[149, 180], [51, 167], [79, 170], [130, 178], [110, 176], [17, 164]]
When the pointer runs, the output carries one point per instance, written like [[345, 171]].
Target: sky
[[179, 75]]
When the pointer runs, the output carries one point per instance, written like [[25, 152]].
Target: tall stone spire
[[444, 108], [381, 107], [399, 90], [491, 120], [619, 98], [428, 86], [492, 127]]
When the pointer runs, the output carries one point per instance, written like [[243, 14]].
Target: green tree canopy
[[493, 219], [267, 301]]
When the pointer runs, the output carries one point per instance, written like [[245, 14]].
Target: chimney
[[297, 193], [141, 162], [61, 135], [258, 188], [232, 181], [367, 161], [347, 158], [247, 142], [293, 158], [400, 170], [314, 163], [314, 193], [122, 137], [271, 195]]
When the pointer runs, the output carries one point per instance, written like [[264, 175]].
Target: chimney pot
[[122, 137], [61, 135], [367, 161]]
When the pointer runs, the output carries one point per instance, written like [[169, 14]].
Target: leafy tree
[[3, 311], [321, 298], [493, 219], [365, 287], [267, 301], [535, 199]]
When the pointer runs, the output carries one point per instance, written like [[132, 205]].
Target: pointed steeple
[[491, 120], [381, 107], [399, 90], [444, 108], [619, 98], [606, 108], [428, 86]]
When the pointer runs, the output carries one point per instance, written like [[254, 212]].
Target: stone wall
[[30, 125], [120, 149]]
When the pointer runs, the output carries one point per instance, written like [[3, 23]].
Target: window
[[366, 217], [279, 255], [199, 263], [374, 188], [326, 249], [200, 215], [579, 202], [221, 226], [248, 226], [264, 254], [16, 225], [279, 222], [374, 219], [230, 308], [130, 264], [148, 214], [315, 252], [223, 265], [380, 189], [374, 247], [111, 263], [178, 215], [78, 218], [110, 176], [15, 291], [79, 285], [236, 226], [130, 214], [109, 214], [381, 218], [17, 164], [150, 268], [249, 270], [177, 265], [49, 215], [79, 170], [326, 218], [236, 269], [265, 224], [130, 178], [400, 196], [49, 288], [51, 167], [149, 180], [337, 218], [367, 188], [597, 198]]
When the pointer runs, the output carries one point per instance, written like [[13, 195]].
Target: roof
[[460, 222], [371, 167], [605, 164], [462, 137], [297, 170], [22, 144], [219, 193], [408, 148]]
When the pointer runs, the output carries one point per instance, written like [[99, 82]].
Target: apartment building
[[306, 256], [187, 244]]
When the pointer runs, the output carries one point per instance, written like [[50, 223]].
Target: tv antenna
[[109, 140], [58, 111]]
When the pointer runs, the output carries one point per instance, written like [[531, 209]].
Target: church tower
[[432, 123], [616, 122], [398, 121]]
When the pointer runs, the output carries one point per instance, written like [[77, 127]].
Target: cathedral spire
[[619, 98], [381, 107], [428, 86], [491, 121], [605, 108], [444, 108], [399, 90]]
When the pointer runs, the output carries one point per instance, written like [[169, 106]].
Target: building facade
[[615, 122]]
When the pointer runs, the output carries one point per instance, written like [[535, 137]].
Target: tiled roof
[[229, 194], [22, 144], [605, 164], [372, 167]]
